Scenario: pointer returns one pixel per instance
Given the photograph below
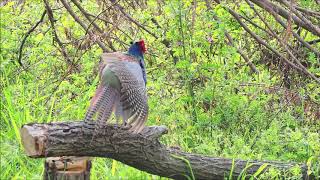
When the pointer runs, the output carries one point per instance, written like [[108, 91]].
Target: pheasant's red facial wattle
[[142, 46]]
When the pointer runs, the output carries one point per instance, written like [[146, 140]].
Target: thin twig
[[262, 42], [231, 43], [83, 25], [299, 15], [309, 12], [56, 37], [120, 8], [27, 35], [265, 4], [314, 41], [255, 24], [278, 19], [92, 23]]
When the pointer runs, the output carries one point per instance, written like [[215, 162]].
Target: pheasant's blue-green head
[[137, 48]]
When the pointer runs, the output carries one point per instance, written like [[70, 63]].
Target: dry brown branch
[[231, 43], [299, 67], [104, 35], [314, 41], [164, 41], [309, 12], [300, 39], [92, 21], [245, 57], [3, 3], [255, 24], [56, 37], [285, 46], [299, 15], [83, 25], [121, 9], [267, 5]]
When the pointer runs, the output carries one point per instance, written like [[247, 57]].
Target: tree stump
[[67, 168]]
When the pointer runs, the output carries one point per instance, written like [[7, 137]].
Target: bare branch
[[314, 41], [3, 3], [278, 19], [300, 68], [298, 14], [120, 8], [92, 21], [231, 43], [56, 38], [309, 12], [255, 24], [265, 4], [27, 35], [305, 70], [83, 25]]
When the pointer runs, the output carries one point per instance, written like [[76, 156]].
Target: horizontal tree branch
[[142, 151]]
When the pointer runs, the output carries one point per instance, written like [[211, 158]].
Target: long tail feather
[[107, 106], [95, 103], [101, 104]]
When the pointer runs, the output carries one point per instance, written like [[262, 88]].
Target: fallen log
[[142, 151]]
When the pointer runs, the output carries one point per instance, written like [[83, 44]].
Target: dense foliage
[[198, 85]]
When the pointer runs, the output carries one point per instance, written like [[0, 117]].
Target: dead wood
[[142, 151]]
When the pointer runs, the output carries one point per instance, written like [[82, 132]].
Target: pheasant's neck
[[136, 52]]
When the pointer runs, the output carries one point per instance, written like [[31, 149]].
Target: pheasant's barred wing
[[132, 103], [122, 89], [133, 97], [106, 96]]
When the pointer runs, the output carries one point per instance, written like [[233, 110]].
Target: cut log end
[[33, 140]]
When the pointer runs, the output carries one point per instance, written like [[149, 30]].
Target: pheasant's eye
[[131, 42]]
